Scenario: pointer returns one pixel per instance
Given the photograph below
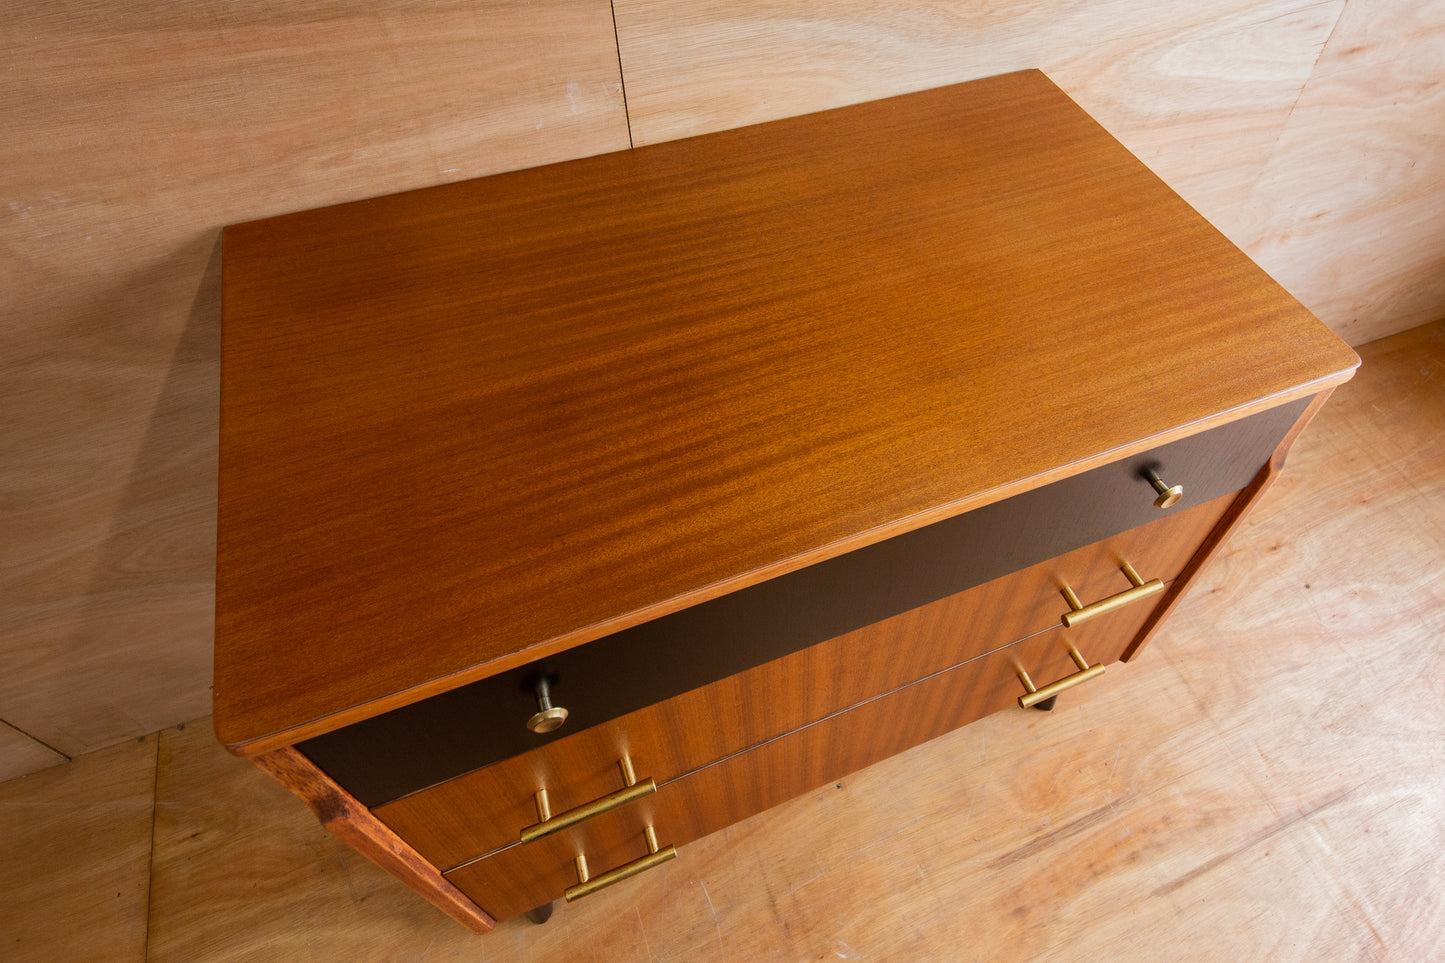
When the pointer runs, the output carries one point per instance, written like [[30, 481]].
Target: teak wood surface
[[465, 427]]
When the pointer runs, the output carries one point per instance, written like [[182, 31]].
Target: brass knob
[[1169, 495], [548, 717]]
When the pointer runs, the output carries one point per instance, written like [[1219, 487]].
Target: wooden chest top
[[468, 426]]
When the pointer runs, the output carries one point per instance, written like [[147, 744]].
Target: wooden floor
[[1267, 783]]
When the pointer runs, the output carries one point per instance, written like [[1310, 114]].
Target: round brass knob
[[547, 720], [1169, 495], [548, 717]]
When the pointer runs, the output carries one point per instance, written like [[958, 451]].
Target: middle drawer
[[485, 810]]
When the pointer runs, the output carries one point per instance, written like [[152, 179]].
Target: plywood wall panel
[[1197, 92], [133, 133], [1311, 135], [1202, 99], [1350, 212]]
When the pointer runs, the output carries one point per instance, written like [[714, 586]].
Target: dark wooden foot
[[1046, 705], [541, 914]]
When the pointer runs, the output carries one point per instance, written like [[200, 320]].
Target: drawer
[[708, 799], [417, 746], [484, 811]]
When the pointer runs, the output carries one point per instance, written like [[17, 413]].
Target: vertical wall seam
[[1344, 7], [621, 74], [1251, 244]]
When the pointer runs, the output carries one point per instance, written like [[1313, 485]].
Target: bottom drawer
[[706, 800]]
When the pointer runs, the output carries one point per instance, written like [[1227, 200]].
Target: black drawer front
[[417, 746]]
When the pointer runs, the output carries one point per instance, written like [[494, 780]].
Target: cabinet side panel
[[1227, 526]]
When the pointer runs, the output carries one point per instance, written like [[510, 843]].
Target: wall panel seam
[[35, 739], [621, 74]]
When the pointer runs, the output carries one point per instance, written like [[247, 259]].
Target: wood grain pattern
[[420, 745], [1144, 813], [1343, 581], [1194, 811], [1354, 528], [484, 810], [132, 134], [721, 795], [242, 871], [75, 869], [1304, 132], [481, 499], [135, 132], [21, 755], [353, 824], [1200, 94], [1183, 804], [1347, 213], [1228, 524]]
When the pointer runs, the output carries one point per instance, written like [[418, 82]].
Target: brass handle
[[1085, 673], [587, 884], [547, 824], [547, 717], [1169, 495], [1079, 612]]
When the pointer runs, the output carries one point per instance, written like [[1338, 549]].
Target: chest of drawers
[[572, 514]]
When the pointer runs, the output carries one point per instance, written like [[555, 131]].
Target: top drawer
[[417, 746], [484, 810]]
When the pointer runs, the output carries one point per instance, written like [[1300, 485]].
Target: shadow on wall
[[148, 619]]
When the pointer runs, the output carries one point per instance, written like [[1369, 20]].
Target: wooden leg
[[540, 914], [354, 824]]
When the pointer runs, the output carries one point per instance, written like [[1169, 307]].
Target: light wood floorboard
[[242, 871], [75, 844], [1267, 782]]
